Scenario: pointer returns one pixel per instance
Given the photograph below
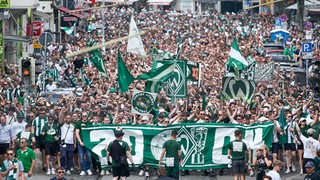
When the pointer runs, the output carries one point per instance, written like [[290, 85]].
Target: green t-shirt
[[51, 132], [124, 145], [238, 149], [172, 147], [26, 135], [81, 124], [26, 158], [303, 131]]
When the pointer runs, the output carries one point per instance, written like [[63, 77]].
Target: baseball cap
[[310, 131], [309, 164], [118, 132], [302, 119]]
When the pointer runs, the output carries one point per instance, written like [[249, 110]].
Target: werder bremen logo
[[142, 102], [193, 142], [176, 84], [236, 88]]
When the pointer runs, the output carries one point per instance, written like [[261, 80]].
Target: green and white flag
[[236, 60], [124, 76], [160, 71], [157, 54], [135, 44], [70, 30], [203, 146], [142, 102], [177, 82], [97, 61], [236, 88]]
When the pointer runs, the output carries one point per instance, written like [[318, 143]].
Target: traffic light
[[25, 67]]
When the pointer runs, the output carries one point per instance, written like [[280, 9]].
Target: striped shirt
[[288, 133], [38, 124], [13, 174]]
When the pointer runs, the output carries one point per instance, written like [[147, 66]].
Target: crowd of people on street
[[52, 127]]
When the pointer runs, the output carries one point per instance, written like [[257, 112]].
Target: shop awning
[[126, 2], [160, 2], [314, 11], [65, 10]]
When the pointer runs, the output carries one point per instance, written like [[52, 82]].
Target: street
[[291, 176]]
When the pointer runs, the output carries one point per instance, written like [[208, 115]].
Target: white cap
[[145, 118]]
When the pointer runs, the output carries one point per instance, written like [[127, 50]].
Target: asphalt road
[[291, 176]]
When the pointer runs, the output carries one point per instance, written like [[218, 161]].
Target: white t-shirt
[[307, 146], [66, 134], [51, 87], [18, 127], [274, 175]]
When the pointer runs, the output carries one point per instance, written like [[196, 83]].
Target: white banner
[[264, 72]]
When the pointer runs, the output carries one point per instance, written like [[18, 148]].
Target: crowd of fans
[[206, 39]]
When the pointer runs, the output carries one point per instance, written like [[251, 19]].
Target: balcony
[[24, 4]]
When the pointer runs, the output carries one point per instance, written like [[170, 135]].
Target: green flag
[[159, 72], [236, 60], [97, 61], [124, 76]]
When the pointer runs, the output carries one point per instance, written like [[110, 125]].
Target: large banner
[[203, 146], [177, 82], [237, 88], [264, 72]]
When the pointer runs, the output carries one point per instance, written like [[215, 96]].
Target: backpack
[[118, 153]]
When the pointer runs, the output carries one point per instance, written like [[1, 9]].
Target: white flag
[[135, 44]]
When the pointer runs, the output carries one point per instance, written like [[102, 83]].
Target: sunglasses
[[10, 154], [60, 172], [22, 142], [84, 116]]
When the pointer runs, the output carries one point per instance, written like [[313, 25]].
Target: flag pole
[[93, 8], [255, 6], [109, 43]]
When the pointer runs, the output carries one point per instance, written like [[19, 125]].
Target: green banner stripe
[[203, 146]]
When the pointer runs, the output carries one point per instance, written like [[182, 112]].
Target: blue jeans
[[84, 163], [66, 158]]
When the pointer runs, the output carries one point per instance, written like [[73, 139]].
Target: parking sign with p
[[307, 47]]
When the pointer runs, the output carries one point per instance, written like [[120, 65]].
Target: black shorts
[[50, 149], [238, 167], [121, 171], [290, 146], [275, 148], [300, 147], [39, 142], [4, 148]]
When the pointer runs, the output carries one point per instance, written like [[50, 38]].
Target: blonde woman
[[263, 160]]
